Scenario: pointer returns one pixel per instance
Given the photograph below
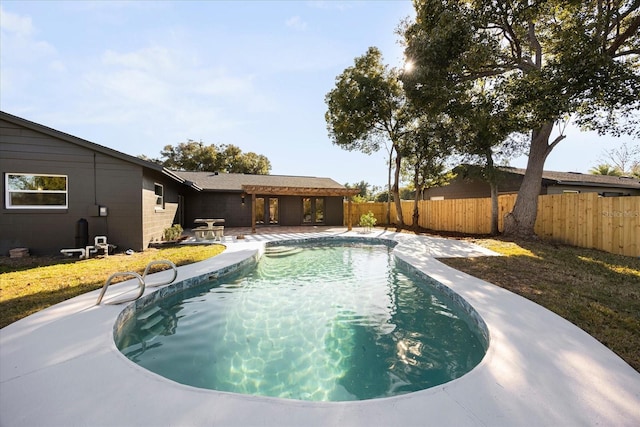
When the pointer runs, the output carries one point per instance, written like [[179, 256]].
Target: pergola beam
[[269, 190]]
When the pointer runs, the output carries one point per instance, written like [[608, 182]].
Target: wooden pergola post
[[349, 214]]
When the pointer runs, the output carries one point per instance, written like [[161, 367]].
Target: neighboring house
[[51, 181], [250, 200], [467, 184]]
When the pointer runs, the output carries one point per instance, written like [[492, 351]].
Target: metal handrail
[[122, 273], [162, 261], [141, 280]]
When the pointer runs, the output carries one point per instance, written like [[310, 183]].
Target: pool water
[[319, 323]]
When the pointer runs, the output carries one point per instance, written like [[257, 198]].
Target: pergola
[[270, 190]]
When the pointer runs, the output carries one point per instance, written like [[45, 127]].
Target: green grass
[[597, 291], [28, 285]]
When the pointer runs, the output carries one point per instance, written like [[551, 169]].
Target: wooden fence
[[610, 224]]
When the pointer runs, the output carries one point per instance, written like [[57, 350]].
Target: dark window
[[159, 192]]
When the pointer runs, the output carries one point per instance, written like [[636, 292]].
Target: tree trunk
[[416, 212], [493, 185], [396, 191], [521, 221], [494, 208], [389, 188]]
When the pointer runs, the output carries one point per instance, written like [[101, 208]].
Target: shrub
[[172, 233], [367, 221]]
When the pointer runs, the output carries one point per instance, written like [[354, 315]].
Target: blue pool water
[[323, 323]]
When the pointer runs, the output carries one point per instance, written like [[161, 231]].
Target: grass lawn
[[30, 284], [597, 291]]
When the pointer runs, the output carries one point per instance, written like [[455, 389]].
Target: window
[[312, 210], [306, 211], [159, 191], [29, 191], [259, 210], [273, 210]]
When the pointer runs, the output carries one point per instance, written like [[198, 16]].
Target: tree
[[555, 59], [425, 154], [623, 159], [362, 186], [605, 169], [367, 108], [487, 129], [196, 156]]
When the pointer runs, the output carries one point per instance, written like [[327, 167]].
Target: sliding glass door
[[312, 210]]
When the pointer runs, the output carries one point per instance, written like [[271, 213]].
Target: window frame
[[8, 191], [158, 197]]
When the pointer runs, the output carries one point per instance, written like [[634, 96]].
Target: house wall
[[155, 219], [560, 189], [229, 207], [464, 188], [93, 179], [290, 210], [334, 211]]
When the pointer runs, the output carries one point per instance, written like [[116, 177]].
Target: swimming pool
[[324, 321]]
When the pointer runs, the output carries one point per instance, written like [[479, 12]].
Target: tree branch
[[627, 53], [556, 142], [620, 39]]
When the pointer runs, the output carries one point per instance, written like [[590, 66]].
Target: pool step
[[152, 321], [148, 313], [281, 251]]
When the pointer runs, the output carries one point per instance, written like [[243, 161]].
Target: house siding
[[468, 188], [93, 179], [228, 206], [209, 204], [155, 220], [334, 211]]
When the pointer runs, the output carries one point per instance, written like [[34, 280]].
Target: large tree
[[487, 133], [196, 156], [368, 108], [425, 154], [554, 59]]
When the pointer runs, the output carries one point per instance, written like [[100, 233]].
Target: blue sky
[[136, 76]]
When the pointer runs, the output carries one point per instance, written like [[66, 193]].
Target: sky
[[136, 76]]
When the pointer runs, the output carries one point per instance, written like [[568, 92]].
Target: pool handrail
[[141, 281], [158, 262], [122, 273]]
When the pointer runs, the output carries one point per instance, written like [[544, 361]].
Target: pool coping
[[61, 367]]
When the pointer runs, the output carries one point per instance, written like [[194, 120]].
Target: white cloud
[[18, 38], [17, 25], [296, 23]]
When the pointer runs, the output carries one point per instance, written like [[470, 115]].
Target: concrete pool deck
[[60, 366]]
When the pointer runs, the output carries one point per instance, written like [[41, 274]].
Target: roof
[[265, 184], [582, 179], [89, 145]]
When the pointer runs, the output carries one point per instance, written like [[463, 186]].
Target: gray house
[[468, 184], [251, 200], [53, 182]]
